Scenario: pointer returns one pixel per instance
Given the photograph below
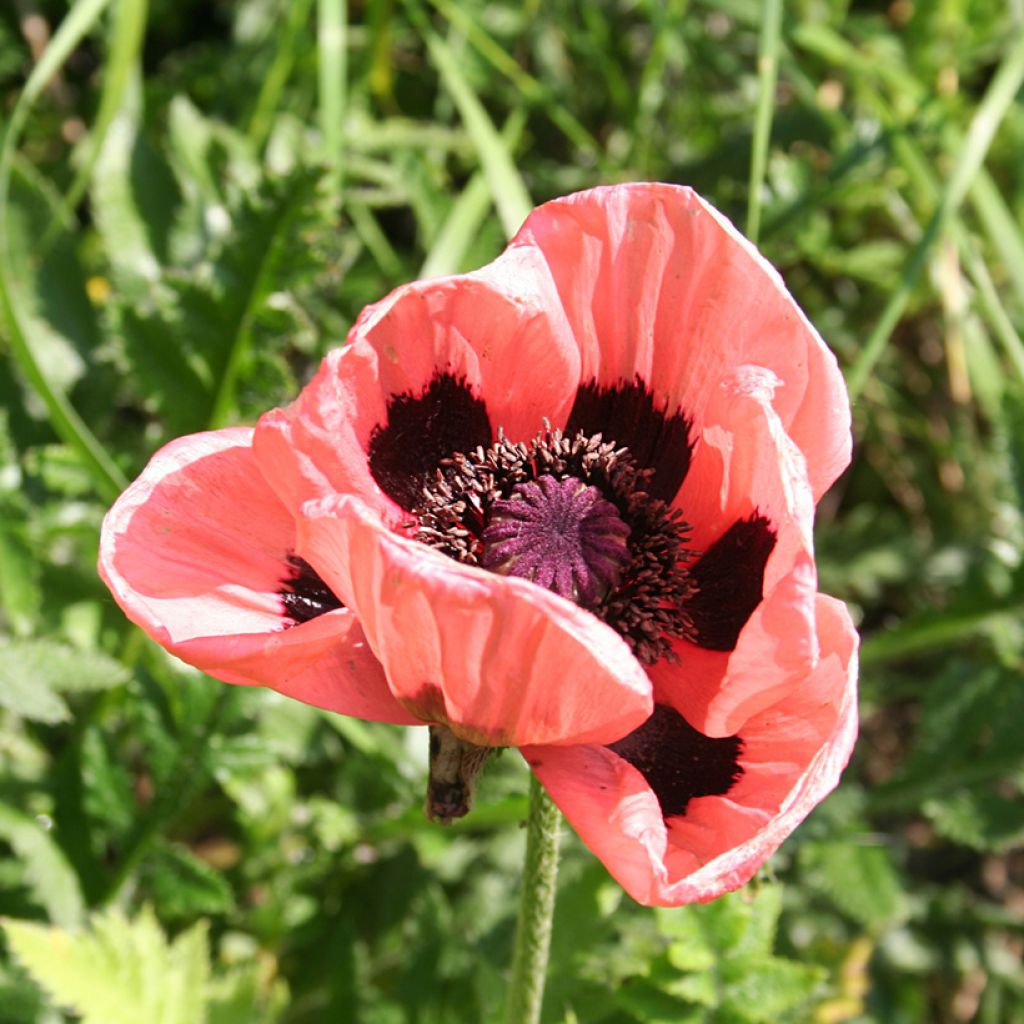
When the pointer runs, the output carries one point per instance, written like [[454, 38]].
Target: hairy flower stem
[[536, 909]]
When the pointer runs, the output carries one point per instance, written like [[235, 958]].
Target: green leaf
[[985, 821], [189, 336], [208, 157], [50, 287], [764, 991], [50, 878], [120, 971], [34, 674], [690, 949], [183, 886], [125, 49], [22, 1001], [246, 995], [725, 921], [861, 880], [168, 365], [109, 791], [133, 197], [654, 1005], [20, 595], [699, 988]]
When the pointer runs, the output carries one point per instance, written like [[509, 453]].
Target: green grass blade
[[279, 71], [995, 217], [532, 90], [990, 112], [767, 74], [125, 49], [73, 29], [332, 73], [65, 421], [510, 195], [467, 213], [936, 632], [1001, 226], [992, 306], [256, 286], [376, 242]]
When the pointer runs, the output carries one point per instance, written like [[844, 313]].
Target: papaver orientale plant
[[563, 503]]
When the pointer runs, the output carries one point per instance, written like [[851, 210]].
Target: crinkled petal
[[499, 660], [657, 285], [195, 552], [747, 473], [791, 757], [438, 366]]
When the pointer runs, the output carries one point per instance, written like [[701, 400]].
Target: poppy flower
[[562, 503]]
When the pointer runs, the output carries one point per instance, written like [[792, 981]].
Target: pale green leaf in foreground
[[120, 971]]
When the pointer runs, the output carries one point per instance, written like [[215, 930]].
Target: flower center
[[561, 534], [574, 515]]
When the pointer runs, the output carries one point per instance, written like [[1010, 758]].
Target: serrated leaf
[[724, 921], [699, 988], [183, 886], [763, 991], [120, 971], [765, 908], [21, 1000], [165, 363], [209, 157], [861, 880], [655, 1006], [246, 996], [50, 285], [51, 879], [109, 793], [34, 674], [189, 340], [691, 956], [982, 820], [133, 195]]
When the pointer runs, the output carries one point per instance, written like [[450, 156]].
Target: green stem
[[536, 908]]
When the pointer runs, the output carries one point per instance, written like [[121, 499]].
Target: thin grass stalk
[[511, 199], [332, 76], [66, 422], [129, 31], [767, 75], [990, 113]]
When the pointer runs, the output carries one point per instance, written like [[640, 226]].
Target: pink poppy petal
[[754, 612], [195, 552], [791, 757], [438, 366], [501, 661], [658, 286]]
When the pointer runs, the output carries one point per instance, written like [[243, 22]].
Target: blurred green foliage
[[199, 200]]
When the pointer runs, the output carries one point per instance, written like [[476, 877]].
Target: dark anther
[[304, 594]]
